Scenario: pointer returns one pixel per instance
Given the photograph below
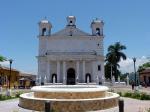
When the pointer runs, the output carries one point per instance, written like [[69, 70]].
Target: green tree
[[114, 56], [108, 70], [144, 66], [2, 58]]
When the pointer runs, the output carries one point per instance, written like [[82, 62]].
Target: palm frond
[[2, 58]]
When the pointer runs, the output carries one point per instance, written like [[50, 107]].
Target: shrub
[[120, 93], [18, 94], [127, 94], [4, 97], [145, 96], [136, 95]]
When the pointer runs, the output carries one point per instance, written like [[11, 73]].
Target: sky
[[126, 21]]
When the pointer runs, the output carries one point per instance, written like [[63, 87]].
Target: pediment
[[71, 31]]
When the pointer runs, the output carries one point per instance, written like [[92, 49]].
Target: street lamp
[[0, 75], [10, 62], [134, 60], [111, 71]]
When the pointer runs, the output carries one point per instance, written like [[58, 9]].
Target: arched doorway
[[87, 77], [54, 78], [70, 76]]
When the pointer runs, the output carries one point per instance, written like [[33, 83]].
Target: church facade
[[71, 56]]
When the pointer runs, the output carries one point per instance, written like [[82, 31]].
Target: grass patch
[[135, 95], [5, 97]]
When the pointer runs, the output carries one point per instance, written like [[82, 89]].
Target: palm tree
[[114, 56], [2, 58]]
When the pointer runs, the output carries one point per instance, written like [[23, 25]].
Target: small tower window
[[43, 31], [70, 21], [97, 31], [99, 67]]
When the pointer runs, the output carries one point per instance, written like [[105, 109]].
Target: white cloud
[[128, 65], [5, 63]]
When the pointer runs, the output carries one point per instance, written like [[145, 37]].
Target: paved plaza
[[131, 105]]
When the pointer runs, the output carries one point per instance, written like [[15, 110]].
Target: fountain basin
[[69, 98], [69, 91]]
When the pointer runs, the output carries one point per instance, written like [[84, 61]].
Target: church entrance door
[[70, 76]]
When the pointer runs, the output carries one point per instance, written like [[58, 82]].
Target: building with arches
[[71, 56]]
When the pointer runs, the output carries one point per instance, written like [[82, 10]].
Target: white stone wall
[[74, 44], [42, 68], [42, 46]]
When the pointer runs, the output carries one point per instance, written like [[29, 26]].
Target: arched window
[[97, 31], [54, 78], [43, 31], [99, 67], [87, 78]]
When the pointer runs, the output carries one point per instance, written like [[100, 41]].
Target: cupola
[[97, 27], [44, 27]]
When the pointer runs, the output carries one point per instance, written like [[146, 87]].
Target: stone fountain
[[69, 98]]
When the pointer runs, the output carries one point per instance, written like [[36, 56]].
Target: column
[[77, 71], [64, 72], [48, 72], [83, 71], [94, 74], [58, 71]]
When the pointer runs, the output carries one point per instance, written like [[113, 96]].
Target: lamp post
[[10, 62], [111, 72], [0, 75], [134, 60]]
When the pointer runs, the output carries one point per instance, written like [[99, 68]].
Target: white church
[[71, 56]]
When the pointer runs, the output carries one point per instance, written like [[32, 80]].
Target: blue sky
[[127, 21]]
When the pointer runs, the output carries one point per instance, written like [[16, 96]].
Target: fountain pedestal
[[69, 98]]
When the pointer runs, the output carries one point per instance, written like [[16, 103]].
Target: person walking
[[133, 85]]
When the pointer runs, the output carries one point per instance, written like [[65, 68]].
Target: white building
[[71, 56]]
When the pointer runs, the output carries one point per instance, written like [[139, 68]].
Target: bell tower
[[44, 27], [71, 20], [97, 27]]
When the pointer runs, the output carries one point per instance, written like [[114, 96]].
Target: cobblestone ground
[[131, 105]]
